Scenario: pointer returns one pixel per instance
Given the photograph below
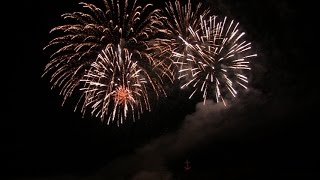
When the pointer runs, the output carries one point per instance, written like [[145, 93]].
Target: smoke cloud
[[149, 161]]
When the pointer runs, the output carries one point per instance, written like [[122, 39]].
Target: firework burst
[[176, 36], [115, 86], [123, 24], [80, 43], [219, 59]]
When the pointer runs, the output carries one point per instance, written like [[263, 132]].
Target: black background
[[43, 139]]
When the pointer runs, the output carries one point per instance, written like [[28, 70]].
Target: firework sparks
[[80, 43], [123, 24], [123, 95], [118, 56], [177, 40], [115, 86], [220, 59]]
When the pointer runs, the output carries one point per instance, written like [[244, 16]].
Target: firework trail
[[115, 86], [220, 58], [176, 37], [78, 45]]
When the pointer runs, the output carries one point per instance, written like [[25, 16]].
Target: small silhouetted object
[[187, 166]]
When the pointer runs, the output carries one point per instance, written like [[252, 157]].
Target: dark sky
[[269, 132]]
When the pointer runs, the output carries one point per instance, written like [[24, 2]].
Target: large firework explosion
[[121, 56], [79, 43], [219, 58]]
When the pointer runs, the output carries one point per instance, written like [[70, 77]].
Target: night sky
[[268, 132]]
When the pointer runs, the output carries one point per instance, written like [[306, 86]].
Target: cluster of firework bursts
[[123, 55]]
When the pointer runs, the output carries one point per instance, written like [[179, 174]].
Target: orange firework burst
[[123, 95]]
